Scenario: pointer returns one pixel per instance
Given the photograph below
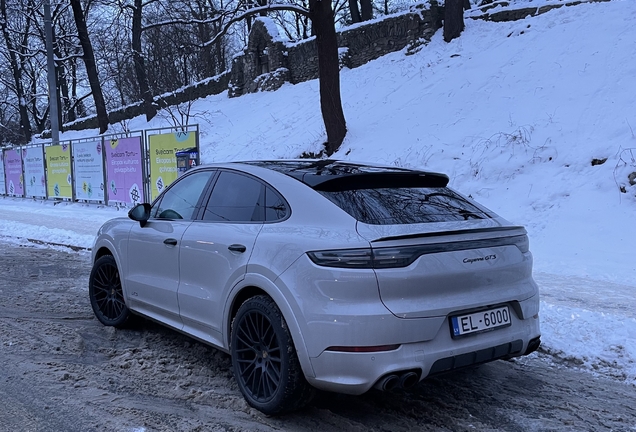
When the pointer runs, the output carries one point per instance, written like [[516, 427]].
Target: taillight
[[366, 258], [345, 258], [396, 257], [522, 242]]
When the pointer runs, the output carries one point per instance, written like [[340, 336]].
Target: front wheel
[[106, 293], [264, 359]]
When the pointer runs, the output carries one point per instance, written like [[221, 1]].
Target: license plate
[[480, 321]]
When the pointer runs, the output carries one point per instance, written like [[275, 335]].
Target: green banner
[[163, 161], [58, 166]]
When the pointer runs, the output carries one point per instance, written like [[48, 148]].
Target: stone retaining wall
[[358, 44], [518, 14]]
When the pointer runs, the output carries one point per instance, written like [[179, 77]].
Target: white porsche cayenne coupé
[[322, 274]]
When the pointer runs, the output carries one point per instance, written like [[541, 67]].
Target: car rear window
[[391, 206]]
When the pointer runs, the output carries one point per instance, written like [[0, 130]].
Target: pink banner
[[123, 170], [13, 172]]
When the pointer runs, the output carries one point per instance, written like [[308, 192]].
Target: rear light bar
[[396, 257]]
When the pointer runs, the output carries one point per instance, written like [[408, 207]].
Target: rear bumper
[[335, 308], [356, 373]]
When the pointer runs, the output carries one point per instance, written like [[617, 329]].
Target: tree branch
[[181, 21], [252, 12]]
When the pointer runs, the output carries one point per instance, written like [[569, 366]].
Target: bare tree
[[140, 68], [143, 48], [9, 120], [169, 49], [174, 55], [113, 53], [67, 54], [211, 60], [366, 8], [354, 10], [16, 53], [322, 18], [91, 67], [361, 12], [166, 40]]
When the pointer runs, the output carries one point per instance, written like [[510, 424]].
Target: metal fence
[[118, 169]]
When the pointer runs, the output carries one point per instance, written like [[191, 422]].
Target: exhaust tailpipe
[[409, 379], [388, 382], [533, 345]]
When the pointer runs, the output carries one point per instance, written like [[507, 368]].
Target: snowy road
[[62, 370]]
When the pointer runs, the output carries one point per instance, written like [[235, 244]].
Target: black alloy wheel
[[106, 293], [264, 358]]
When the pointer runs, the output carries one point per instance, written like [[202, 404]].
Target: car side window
[[180, 200], [236, 198], [276, 207]]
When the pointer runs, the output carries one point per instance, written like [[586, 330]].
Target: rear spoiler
[[453, 232]]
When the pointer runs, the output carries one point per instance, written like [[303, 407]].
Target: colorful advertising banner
[[124, 177], [13, 172], [3, 185], [163, 161], [58, 165], [89, 171], [34, 176]]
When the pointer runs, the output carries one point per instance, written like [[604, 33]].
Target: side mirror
[[140, 213]]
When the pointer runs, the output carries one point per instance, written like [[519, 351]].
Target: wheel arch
[[255, 285], [241, 297], [101, 252]]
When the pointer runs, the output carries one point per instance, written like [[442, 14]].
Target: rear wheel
[[264, 359], [106, 293]]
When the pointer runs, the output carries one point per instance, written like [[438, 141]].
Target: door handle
[[237, 248], [170, 241]]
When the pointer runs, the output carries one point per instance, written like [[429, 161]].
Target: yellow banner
[[163, 161], [58, 166]]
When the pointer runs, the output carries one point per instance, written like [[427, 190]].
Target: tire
[[264, 359], [106, 293]]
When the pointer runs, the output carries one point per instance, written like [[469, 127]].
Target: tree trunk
[[366, 6], [25, 123], [322, 18], [91, 67], [62, 90], [140, 67], [453, 19], [354, 11]]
